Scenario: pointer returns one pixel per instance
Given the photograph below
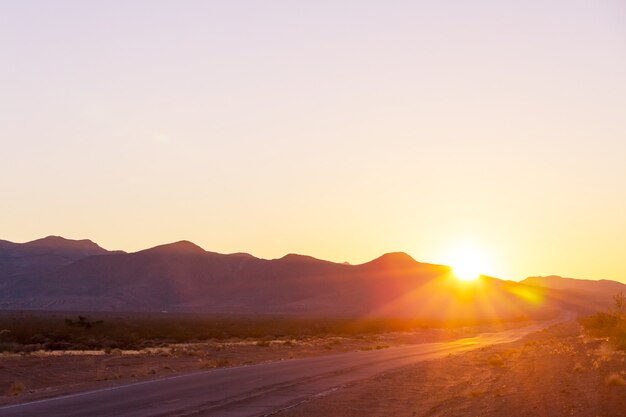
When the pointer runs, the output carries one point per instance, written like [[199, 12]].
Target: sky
[[337, 129]]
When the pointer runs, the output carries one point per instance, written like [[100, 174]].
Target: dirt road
[[249, 390]]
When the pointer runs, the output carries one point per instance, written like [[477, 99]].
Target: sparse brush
[[615, 380], [604, 352], [475, 394], [104, 331], [16, 388], [578, 368], [610, 325], [206, 364], [496, 361], [103, 376], [510, 352]]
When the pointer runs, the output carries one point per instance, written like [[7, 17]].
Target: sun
[[468, 263], [466, 269]]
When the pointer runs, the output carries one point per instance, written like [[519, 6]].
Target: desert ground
[[555, 372], [28, 376], [559, 371]]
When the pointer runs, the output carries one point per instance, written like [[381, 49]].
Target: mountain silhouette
[[43, 255], [61, 274], [181, 247], [584, 285]]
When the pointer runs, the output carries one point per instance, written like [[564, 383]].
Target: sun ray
[[468, 262]]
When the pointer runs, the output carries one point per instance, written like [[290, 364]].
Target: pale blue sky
[[338, 129]]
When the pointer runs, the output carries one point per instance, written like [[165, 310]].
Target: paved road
[[254, 390]]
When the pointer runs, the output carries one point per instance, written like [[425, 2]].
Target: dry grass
[[496, 361], [609, 325], [475, 393], [15, 389], [615, 380], [33, 331]]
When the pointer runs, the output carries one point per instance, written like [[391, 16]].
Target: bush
[[222, 363], [610, 325], [6, 336], [16, 388], [9, 347], [615, 380], [126, 331], [496, 361]]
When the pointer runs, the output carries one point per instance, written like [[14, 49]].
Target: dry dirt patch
[[556, 372], [26, 377]]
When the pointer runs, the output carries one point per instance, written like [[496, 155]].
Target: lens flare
[[468, 263]]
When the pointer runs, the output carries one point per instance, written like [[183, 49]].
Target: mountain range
[[55, 273]]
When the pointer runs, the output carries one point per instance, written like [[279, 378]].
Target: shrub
[[9, 347], [6, 336], [619, 303], [57, 331], [609, 325], [615, 379], [16, 388], [496, 361]]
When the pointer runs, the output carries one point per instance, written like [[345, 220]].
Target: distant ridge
[[58, 242], [558, 282], [398, 259], [180, 247], [44, 255], [55, 273], [294, 257]]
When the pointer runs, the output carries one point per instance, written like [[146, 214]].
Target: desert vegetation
[[46, 354], [23, 332], [610, 324]]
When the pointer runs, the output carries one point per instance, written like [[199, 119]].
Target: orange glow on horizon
[[468, 262]]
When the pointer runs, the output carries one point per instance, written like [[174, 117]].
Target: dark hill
[[43, 255], [182, 277], [585, 285], [595, 294]]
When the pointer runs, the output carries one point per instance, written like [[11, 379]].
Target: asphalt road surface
[[254, 390]]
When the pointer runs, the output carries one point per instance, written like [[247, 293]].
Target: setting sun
[[468, 263]]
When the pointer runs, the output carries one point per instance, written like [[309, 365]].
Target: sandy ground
[[556, 372], [26, 377]]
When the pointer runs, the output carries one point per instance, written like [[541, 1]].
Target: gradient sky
[[339, 129]]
